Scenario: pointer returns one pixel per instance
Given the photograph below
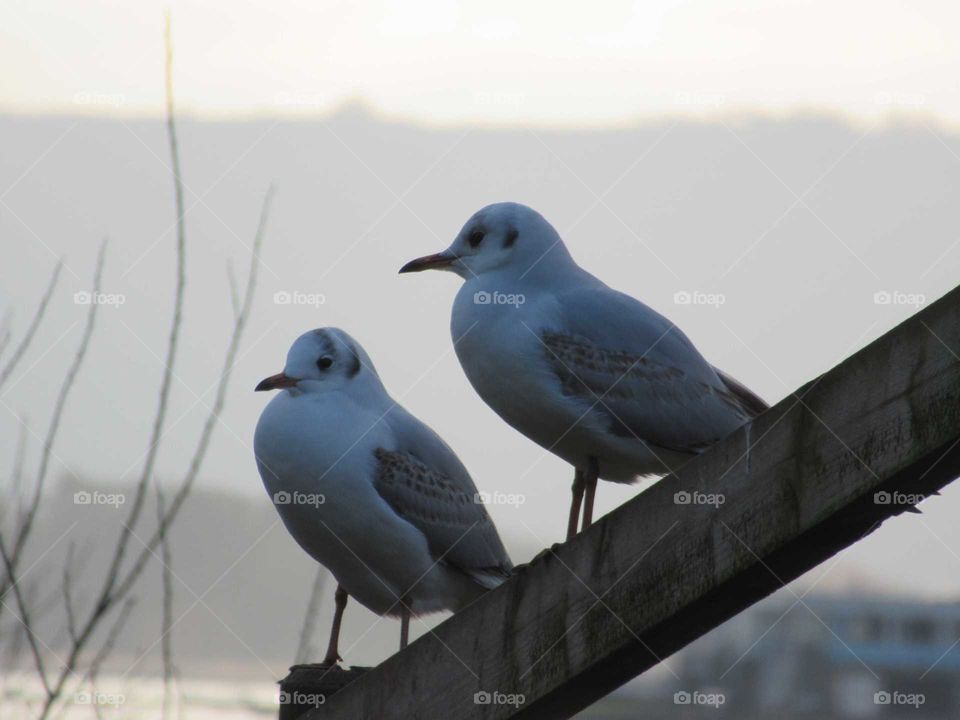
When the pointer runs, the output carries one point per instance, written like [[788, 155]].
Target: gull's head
[[501, 236], [319, 361]]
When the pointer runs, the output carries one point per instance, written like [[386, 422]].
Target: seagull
[[586, 372], [369, 491]]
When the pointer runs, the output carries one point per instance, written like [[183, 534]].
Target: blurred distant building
[[827, 657]]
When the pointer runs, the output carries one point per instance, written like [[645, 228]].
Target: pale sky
[[493, 61]]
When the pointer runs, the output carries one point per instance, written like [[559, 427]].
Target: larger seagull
[[592, 375], [369, 491]]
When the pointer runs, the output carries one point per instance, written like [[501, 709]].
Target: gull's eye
[[324, 363], [476, 237]]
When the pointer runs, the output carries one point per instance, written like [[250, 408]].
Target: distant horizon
[[358, 106], [466, 61]]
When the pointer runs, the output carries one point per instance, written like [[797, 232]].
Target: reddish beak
[[429, 262], [276, 382]]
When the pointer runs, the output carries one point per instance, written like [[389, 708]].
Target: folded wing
[[641, 374], [441, 501]]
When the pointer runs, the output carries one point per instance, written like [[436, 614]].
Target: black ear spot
[[355, 365], [511, 238], [476, 237]]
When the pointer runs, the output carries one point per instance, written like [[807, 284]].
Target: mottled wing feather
[[643, 397], [456, 524]]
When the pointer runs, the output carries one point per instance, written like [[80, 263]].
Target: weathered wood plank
[[799, 485]]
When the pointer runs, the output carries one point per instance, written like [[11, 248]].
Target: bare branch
[[27, 516], [173, 341], [61, 402], [166, 623], [31, 332], [67, 587], [234, 295], [108, 645], [25, 619], [15, 502], [121, 577], [214, 415], [5, 333]]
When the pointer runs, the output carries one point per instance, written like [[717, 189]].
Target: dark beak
[[438, 260], [276, 382]]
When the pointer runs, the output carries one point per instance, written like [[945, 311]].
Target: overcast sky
[[492, 61]]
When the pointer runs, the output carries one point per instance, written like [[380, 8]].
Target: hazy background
[[791, 159]]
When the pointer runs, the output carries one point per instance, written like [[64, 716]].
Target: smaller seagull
[[592, 375], [369, 491]]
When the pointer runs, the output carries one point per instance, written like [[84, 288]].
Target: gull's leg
[[404, 625], [577, 491], [590, 480], [340, 602]]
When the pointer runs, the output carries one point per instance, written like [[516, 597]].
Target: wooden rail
[[813, 475]]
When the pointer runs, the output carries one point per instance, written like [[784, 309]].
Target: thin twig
[[15, 503], [234, 295], [25, 619], [122, 587], [65, 387], [173, 340], [109, 594], [26, 518], [108, 646], [166, 621], [118, 582], [213, 416], [67, 588], [34, 325], [6, 333]]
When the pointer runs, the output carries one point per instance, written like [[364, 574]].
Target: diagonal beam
[[798, 485]]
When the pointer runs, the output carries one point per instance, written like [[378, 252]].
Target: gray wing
[[641, 373], [753, 403], [427, 485]]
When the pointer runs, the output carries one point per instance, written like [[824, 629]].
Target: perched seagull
[[592, 375], [369, 491]]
